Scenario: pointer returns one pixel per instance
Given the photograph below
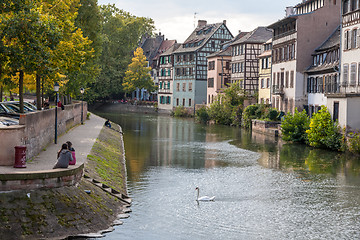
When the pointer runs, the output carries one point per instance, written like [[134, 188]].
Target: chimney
[[202, 23], [224, 22], [289, 11]]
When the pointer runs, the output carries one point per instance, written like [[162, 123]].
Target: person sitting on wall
[[107, 123], [64, 157], [72, 150], [60, 105]]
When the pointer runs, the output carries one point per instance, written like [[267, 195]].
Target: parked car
[[26, 104], [5, 111], [15, 105], [6, 121]]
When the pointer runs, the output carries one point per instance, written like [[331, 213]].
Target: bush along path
[[82, 210]]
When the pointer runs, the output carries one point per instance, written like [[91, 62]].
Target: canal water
[[264, 189]]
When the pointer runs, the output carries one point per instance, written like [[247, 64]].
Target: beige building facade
[[265, 74], [295, 38]]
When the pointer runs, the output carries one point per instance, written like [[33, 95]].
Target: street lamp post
[[82, 98], [56, 89]]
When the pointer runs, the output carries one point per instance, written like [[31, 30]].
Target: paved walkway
[[82, 137]]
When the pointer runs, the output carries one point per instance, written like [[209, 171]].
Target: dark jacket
[[64, 158]]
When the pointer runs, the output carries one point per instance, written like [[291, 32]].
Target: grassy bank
[[68, 211]]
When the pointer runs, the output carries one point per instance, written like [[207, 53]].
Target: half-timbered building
[[305, 27], [166, 76], [245, 63], [190, 80]]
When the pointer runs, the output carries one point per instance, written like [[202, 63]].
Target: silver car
[[6, 121]]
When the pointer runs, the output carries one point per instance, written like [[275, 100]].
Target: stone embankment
[[88, 207]]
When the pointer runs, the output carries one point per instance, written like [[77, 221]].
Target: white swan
[[204, 198]]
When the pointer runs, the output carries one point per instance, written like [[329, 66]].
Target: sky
[[175, 19]]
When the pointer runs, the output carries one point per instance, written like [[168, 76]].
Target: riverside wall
[[36, 130]]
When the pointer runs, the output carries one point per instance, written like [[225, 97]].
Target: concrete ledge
[[265, 127], [41, 179]]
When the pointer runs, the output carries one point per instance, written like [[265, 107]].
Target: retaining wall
[[265, 127], [36, 130], [36, 180]]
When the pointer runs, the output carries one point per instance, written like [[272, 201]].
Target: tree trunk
[[42, 92], [1, 88], [38, 88], [21, 91]]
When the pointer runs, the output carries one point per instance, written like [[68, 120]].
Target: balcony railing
[[278, 90], [284, 34]]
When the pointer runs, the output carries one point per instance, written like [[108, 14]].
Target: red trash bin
[[20, 157]]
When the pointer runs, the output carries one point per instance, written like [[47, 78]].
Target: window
[[190, 87], [184, 87], [168, 85], [291, 79], [287, 79], [227, 66], [268, 83], [359, 74], [262, 83], [178, 87], [160, 85], [353, 38], [353, 74], [213, 44], [189, 102], [210, 82], [183, 102], [345, 74], [212, 65], [177, 102], [346, 40]]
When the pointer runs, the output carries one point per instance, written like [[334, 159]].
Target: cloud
[[175, 19]]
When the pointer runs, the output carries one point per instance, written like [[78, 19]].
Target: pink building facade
[[218, 73]]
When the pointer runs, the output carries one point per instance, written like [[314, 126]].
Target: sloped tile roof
[[170, 50], [200, 34], [165, 45], [332, 41], [259, 35]]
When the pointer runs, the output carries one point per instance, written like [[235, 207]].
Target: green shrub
[[323, 132], [249, 114], [293, 127], [236, 116], [272, 114], [220, 113], [181, 111], [354, 142], [202, 115]]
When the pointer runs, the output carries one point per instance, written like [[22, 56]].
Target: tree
[[120, 35], [138, 74], [323, 132], [293, 127], [28, 37]]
